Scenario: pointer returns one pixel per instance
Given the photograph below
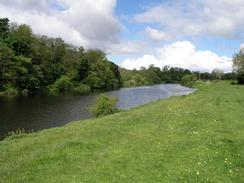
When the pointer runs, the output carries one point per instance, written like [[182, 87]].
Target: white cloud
[[88, 23], [195, 18], [242, 46], [156, 35], [181, 54]]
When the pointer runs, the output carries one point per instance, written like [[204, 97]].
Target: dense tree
[[4, 28], [30, 62], [238, 66], [8, 72], [20, 40]]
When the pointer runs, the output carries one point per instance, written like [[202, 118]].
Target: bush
[[82, 88], [189, 80], [104, 105], [62, 85], [9, 91]]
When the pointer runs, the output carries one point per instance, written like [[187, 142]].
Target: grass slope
[[194, 138]]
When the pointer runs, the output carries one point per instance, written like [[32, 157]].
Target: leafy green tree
[[8, 72], [238, 66], [20, 40], [189, 80], [4, 28], [238, 62], [83, 69], [62, 85]]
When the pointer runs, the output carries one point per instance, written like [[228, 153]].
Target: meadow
[[193, 138]]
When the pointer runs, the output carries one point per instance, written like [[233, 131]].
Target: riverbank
[[194, 138], [44, 111]]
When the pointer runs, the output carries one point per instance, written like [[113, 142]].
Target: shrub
[[9, 91], [189, 80], [104, 105], [82, 88], [61, 85]]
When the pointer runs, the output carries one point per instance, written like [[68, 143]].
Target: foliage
[[98, 72], [189, 80], [32, 62], [238, 66], [240, 78], [217, 74], [152, 75], [9, 91], [193, 138], [4, 28], [104, 105], [238, 62], [81, 89], [62, 85]]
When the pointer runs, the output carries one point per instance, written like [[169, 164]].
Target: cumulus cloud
[[195, 18], [88, 23], [181, 54], [156, 35]]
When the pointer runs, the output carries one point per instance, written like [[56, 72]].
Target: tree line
[[155, 75], [30, 63]]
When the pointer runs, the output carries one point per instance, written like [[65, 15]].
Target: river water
[[41, 112]]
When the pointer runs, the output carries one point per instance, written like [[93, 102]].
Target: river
[[41, 112]]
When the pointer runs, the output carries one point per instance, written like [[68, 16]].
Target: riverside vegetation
[[193, 138], [31, 63]]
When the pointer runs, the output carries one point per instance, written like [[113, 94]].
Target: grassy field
[[194, 138]]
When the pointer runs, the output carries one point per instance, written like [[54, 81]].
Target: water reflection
[[40, 112]]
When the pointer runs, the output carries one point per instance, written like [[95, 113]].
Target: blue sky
[[194, 34], [128, 8], [222, 43]]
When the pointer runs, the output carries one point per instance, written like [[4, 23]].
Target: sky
[[199, 35]]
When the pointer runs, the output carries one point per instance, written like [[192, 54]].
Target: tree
[[238, 66], [4, 28], [189, 80], [20, 40], [29, 62], [238, 62], [8, 72], [217, 74]]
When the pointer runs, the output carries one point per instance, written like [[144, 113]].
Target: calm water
[[41, 112]]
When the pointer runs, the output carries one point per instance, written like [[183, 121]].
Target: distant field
[[195, 138]]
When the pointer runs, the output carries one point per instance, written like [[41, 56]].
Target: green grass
[[194, 138]]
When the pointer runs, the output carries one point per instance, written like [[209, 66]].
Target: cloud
[[181, 54], [221, 18], [242, 46], [88, 23], [128, 48], [156, 35]]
